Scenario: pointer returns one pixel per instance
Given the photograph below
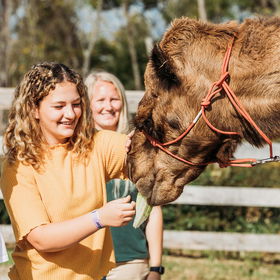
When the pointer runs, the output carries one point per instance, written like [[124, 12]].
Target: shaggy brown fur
[[181, 69]]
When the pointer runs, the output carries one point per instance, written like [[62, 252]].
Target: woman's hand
[[128, 141], [117, 212]]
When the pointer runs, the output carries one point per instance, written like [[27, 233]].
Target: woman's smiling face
[[106, 105], [59, 112]]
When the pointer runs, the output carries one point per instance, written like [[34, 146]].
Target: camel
[[182, 68]]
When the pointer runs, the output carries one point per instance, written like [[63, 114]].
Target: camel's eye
[[148, 125], [145, 124], [154, 95], [158, 133], [174, 123]]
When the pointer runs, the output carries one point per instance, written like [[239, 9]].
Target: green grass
[[189, 268]]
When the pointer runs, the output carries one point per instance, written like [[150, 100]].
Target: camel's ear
[[163, 67], [226, 150]]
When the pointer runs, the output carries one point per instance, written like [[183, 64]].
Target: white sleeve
[[3, 252]]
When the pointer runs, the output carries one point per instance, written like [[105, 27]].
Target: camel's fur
[[180, 71]]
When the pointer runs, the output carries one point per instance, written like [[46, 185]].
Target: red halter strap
[[216, 88]]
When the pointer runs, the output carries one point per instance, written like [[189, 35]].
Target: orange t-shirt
[[64, 189]]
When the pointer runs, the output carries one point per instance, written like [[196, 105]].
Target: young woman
[[138, 251], [54, 178]]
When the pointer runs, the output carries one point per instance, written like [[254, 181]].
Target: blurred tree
[[131, 36], [130, 29], [113, 55], [177, 8], [46, 31], [7, 7], [90, 40], [262, 7], [217, 10], [202, 10], [213, 10], [139, 33], [220, 10]]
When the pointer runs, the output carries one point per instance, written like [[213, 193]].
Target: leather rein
[[216, 88]]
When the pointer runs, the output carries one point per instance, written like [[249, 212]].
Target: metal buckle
[[266, 160]]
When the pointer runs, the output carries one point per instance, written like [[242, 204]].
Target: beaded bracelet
[[96, 219]]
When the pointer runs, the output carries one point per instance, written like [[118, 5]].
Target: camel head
[[181, 69]]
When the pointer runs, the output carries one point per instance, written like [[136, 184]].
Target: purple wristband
[[96, 219]]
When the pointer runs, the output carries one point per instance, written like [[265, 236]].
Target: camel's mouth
[[160, 193], [154, 200], [146, 191], [169, 189], [160, 197]]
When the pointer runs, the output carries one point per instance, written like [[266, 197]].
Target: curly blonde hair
[[23, 138]]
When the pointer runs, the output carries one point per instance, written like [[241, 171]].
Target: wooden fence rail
[[225, 241], [6, 98], [198, 195]]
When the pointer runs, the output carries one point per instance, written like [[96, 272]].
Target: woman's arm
[[154, 235], [59, 236]]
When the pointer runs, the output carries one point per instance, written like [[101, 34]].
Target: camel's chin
[[158, 199], [159, 192], [160, 195]]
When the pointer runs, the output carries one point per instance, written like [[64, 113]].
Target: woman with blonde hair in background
[[53, 180], [138, 252]]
